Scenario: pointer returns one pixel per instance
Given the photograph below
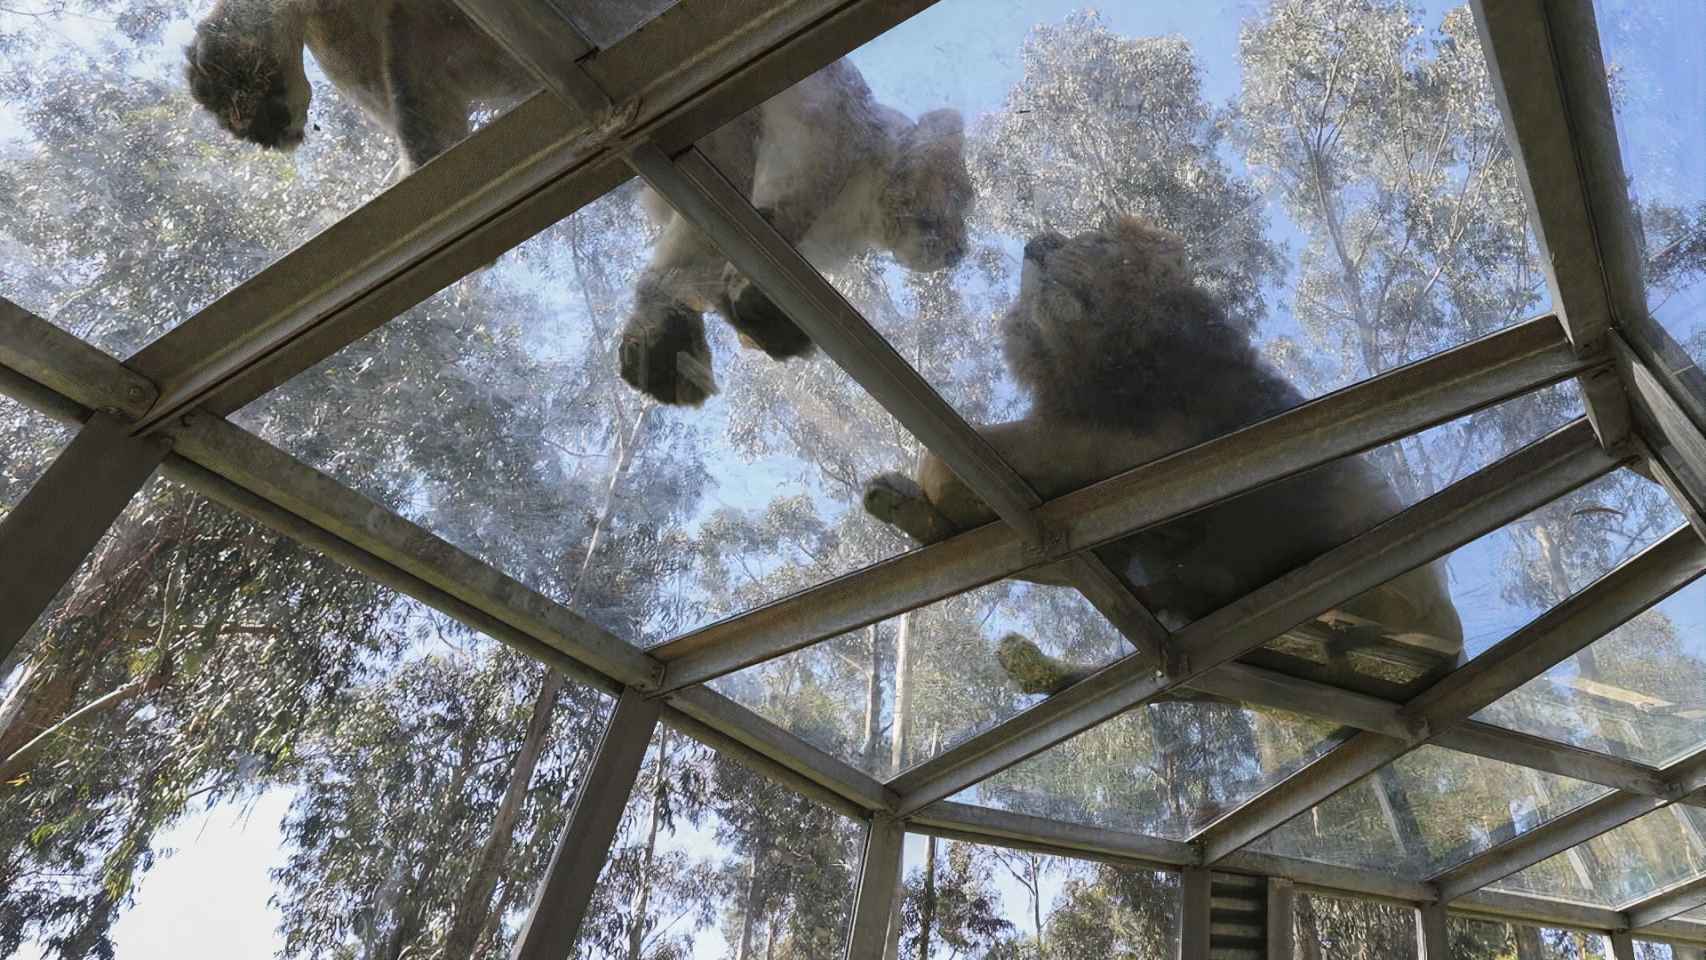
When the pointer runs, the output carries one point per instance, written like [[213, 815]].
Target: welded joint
[[1049, 543]]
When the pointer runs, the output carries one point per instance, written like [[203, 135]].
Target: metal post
[[584, 846], [47, 536], [1196, 900], [1622, 946], [1282, 905], [1432, 941], [875, 904]]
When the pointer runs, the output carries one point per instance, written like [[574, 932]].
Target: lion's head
[[928, 194], [1097, 312]]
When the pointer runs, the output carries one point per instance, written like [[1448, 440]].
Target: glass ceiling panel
[[946, 671], [1385, 662], [1340, 240], [606, 23], [1658, 82], [494, 415], [966, 900], [1630, 863], [1342, 928], [1497, 583], [124, 207], [1428, 811], [1636, 693], [223, 720], [28, 443], [713, 860], [1165, 769]]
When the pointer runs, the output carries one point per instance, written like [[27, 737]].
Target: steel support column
[[48, 535], [873, 905], [1196, 902], [1282, 907], [584, 846], [1622, 945], [1432, 940]]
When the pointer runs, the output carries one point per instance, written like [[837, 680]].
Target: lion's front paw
[[758, 320], [1032, 670], [665, 356], [889, 495], [896, 499]]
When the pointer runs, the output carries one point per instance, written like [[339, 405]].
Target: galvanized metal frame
[[560, 904], [613, 110]]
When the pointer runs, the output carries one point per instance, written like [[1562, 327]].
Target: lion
[[1127, 360]]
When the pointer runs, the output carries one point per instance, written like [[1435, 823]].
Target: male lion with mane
[[1127, 360]]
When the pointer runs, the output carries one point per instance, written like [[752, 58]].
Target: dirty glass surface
[[494, 415], [1395, 660], [1617, 868], [1167, 769], [607, 22], [977, 900], [713, 860], [1338, 233], [1658, 85], [1477, 939], [901, 691], [1634, 693], [1335, 928], [124, 205], [219, 736], [1428, 811]]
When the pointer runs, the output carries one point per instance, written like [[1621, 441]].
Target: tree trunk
[[21, 759], [643, 892], [1528, 943], [749, 911], [927, 911], [471, 908], [469, 914], [902, 695], [869, 743]]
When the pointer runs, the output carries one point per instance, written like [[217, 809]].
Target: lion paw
[[758, 320], [665, 355]]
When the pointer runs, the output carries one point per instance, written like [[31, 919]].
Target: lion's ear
[[944, 128]]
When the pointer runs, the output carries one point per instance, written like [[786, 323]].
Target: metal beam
[[1561, 833], [1543, 911], [584, 846], [1622, 946], [962, 822], [48, 535], [1282, 919], [70, 367], [1196, 901], [1472, 507], [1667, 903], [1432, 940], [1670, 432], [1376, 411], [1549, 78], [1555, 635], [1053, 836], [270, 473], [873, 905], [696, 66], [1549, 756]]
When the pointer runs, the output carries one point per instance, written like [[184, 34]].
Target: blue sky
[[209, 900]]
